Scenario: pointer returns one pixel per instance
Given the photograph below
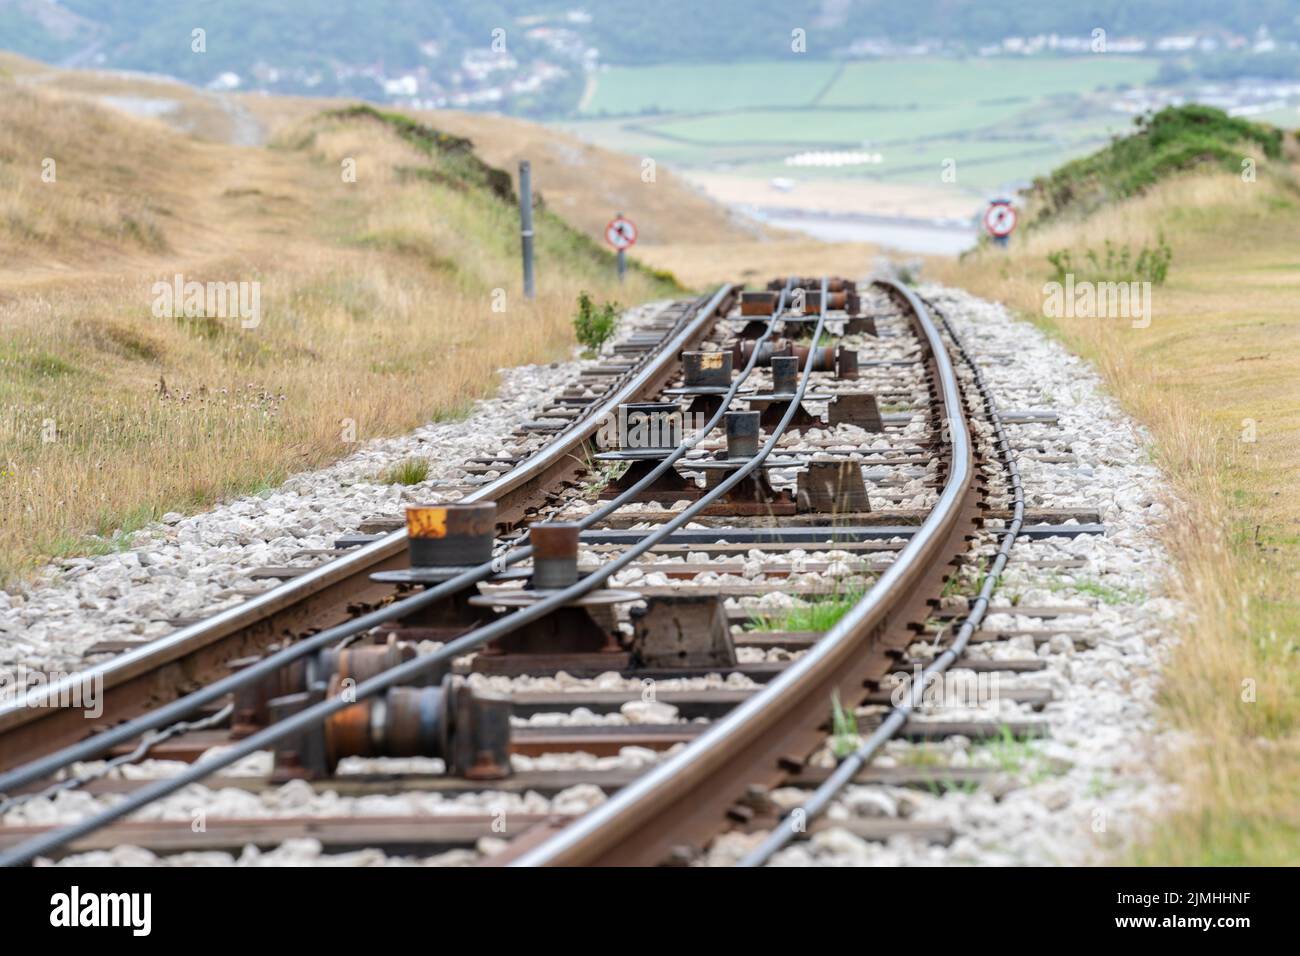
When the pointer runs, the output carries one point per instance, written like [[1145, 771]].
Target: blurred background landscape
[[883, 122]]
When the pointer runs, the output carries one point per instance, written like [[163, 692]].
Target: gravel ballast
[[197, 565], [1077, 796], [1084, 793]]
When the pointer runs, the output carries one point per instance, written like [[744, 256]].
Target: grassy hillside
[[376, 306], [1216, 379], [1173, 140], [211, 117], [585, 184], [581, 182]]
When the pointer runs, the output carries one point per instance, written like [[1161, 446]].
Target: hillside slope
[[1215, 376], [584, 183], [381, 303], [1172, 141]]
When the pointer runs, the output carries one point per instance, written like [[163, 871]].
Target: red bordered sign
[[1000, 219], [621, 233]]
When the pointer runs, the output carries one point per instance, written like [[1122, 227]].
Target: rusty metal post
[[450, 535], [649, 426], [555, 554], [846, 363], [707, 369], [854, 409], [831, 487]]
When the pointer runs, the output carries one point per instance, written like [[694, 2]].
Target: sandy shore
[[827, 195]]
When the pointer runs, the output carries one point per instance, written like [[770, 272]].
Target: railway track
[[630, 582]]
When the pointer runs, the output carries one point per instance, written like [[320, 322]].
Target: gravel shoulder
[[1084, 793], [198, 565]]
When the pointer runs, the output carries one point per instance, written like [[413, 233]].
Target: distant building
[[402, 86], [225, 81]]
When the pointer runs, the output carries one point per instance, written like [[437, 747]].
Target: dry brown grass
[[376, 301], [1222, 351], [700, 265], [584, 184], [587, 185], [12, 65], [106, 194], [199, 113]]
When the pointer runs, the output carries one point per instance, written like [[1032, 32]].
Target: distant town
[[504, 74]]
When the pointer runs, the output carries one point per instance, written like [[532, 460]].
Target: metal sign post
[[1000, 220], [526, 224], [621, 234]]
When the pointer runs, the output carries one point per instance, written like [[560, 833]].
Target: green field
[[682, 88], [940, 83], [1003, 120], [1285, 118], [830, 128]]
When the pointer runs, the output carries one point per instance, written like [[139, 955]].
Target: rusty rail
[[853, 764], [684, 799], [25, 852], [164, 670]]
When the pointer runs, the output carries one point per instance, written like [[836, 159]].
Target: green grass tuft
[[594, 325], [409, 471], [844, 728], [1115, 264], [1102, 592], [817, 615]]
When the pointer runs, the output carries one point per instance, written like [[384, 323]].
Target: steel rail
[[175, 710], [410, 670], [685, 797], [792, 825], [178, 709], [27, 721], [603, 512]]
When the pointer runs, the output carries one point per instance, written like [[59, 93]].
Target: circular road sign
[[1000, 219], [621, 233]]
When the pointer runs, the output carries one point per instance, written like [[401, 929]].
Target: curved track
[[142, 680], [687, 798], [684, 800]]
